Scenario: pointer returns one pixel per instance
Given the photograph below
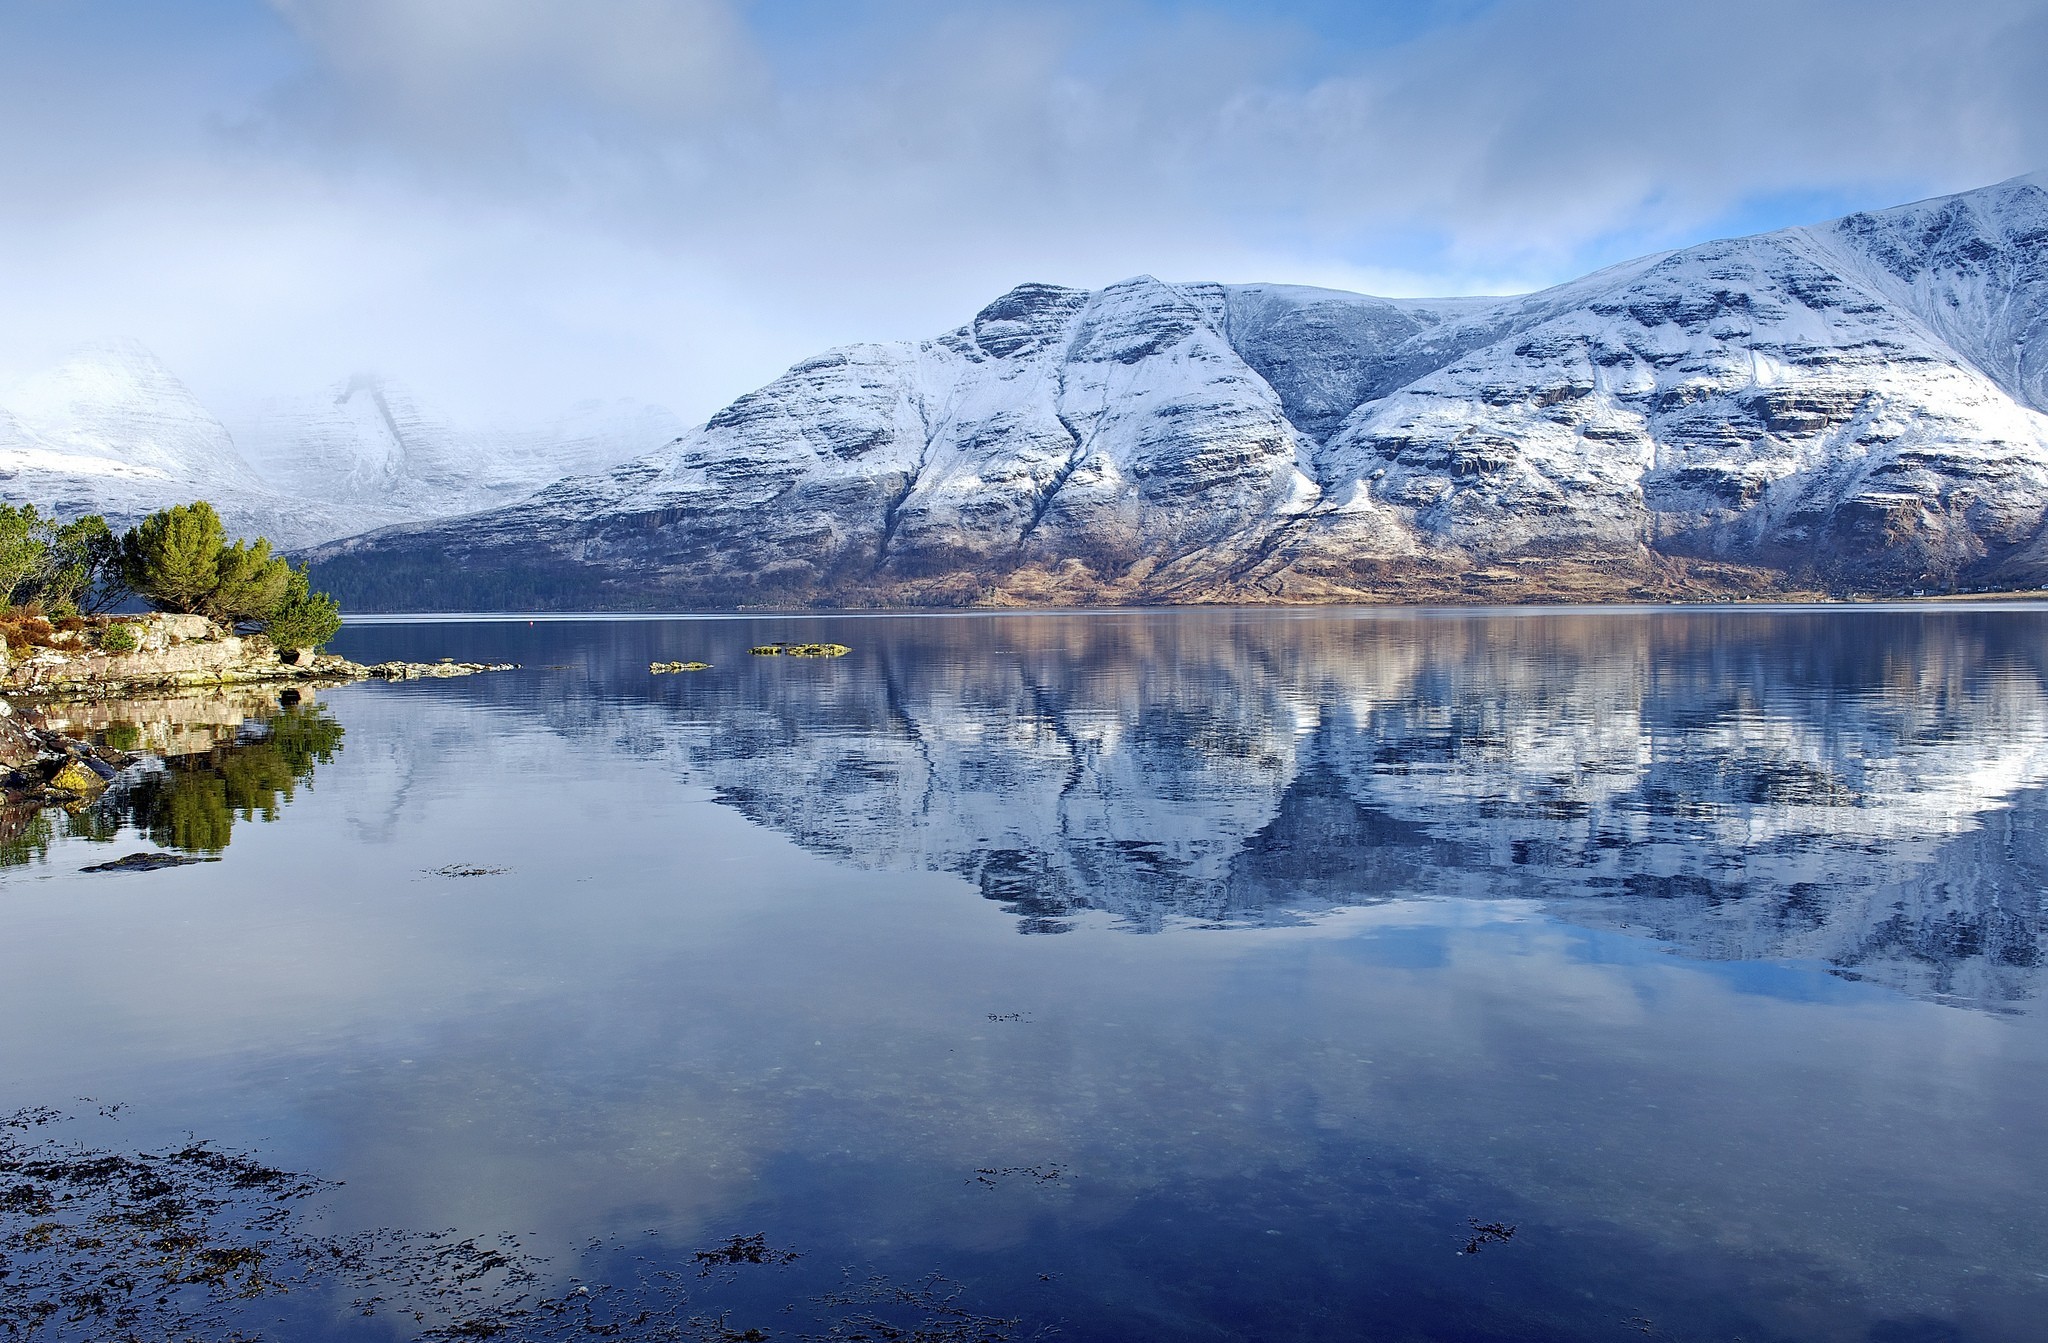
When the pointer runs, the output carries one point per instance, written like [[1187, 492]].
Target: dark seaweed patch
[[995, 1175], [1485, 1234], [198, 1242], [753, 1249]]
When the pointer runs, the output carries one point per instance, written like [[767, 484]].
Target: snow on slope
[[1856, 403], [370, 441], [113, 431]]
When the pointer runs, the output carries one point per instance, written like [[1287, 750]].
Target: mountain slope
[[371, 442], [1857, 404], [113, 431]]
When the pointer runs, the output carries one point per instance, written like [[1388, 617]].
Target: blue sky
[[517, 204]]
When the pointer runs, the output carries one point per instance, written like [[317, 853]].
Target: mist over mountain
[[112, 430], [1853, 405]]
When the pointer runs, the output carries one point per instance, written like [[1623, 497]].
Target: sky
[[515, 205]]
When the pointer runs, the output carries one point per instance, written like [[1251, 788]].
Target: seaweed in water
[[198, 1242], [927, 1311], [753, 1249], [1485, 1234], [993, 1175]]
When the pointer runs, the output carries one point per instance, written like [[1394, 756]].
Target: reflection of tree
[[194, 801], [25, 832]]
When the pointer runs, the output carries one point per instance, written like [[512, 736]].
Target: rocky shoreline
[[172, 653], [188, 650]]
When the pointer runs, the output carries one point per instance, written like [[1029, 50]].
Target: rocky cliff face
[[1857, 404]]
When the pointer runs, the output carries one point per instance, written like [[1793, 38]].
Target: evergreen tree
[[172, 557], [250, 583], [75, 566], [179, 560], [22, 551], [305, 618], [85, 566]]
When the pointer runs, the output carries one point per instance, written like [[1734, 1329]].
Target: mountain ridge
[[1850, 405]]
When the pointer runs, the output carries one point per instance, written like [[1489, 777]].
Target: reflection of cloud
[[675, 198]]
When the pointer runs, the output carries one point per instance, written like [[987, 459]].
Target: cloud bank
[[516, 203]]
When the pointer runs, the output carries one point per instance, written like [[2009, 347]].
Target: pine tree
[[250, 583], [305, 618], [22, 552], [172, 557]]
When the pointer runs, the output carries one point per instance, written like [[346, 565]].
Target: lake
[[1186, 975]]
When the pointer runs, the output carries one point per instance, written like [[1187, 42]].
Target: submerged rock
[[148, 862]]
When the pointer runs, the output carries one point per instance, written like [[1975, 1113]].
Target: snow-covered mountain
[[111, 430], [370, 442], [1862, 403]]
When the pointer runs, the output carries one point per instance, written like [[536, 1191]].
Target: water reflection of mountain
[[1860, 788], [207, 761]]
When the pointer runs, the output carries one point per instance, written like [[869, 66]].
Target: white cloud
[[524, 201]]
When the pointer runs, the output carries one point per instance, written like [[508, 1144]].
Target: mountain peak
[[1812, 407]]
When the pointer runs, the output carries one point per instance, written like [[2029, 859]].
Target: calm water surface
[[1193, 975]]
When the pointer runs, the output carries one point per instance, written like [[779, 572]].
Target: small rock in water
[[801, 650], [466, 870], [659, 667], [407, 671], [148, 862]]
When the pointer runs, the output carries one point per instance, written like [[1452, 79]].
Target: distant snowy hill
[[369, 442], [1859, 404], [113, 431]]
